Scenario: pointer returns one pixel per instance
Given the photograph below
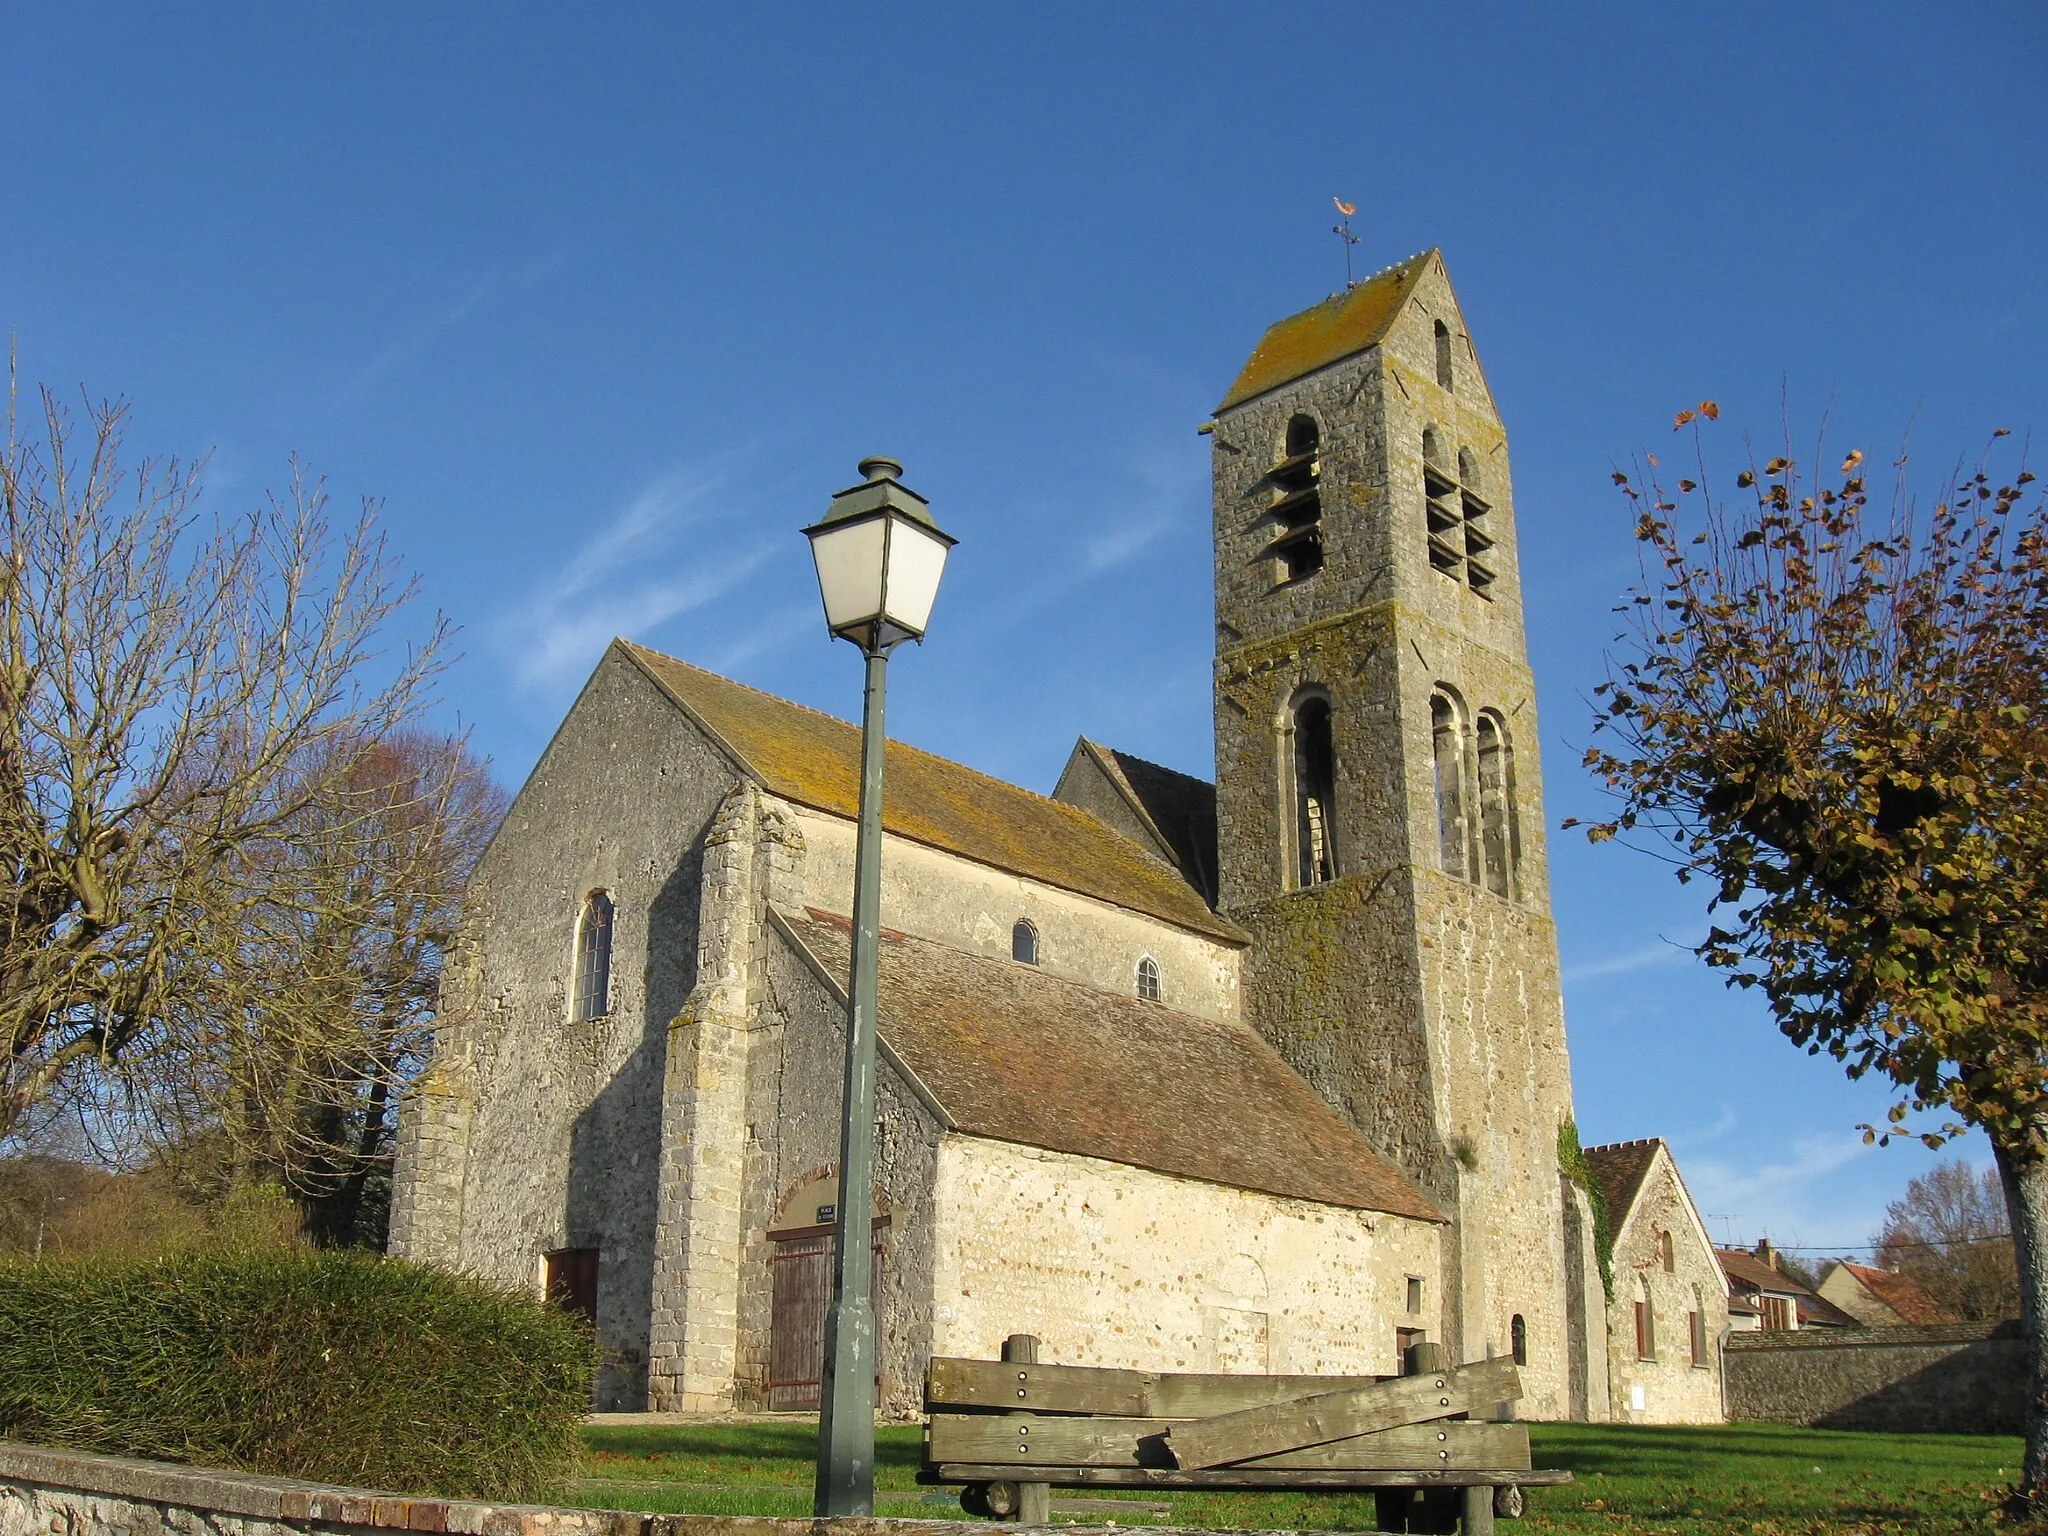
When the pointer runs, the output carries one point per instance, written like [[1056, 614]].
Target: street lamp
[[879, 558]]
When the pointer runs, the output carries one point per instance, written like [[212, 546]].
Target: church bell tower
[[1381, 829]]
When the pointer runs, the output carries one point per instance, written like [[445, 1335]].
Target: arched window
[[1298, 507], [1443, 355], [1665, 1256], [1315, 792], [1696, 1327], [1446, 520], [1024, 942], [1499, 834], [1148, 979], [1518, 1338], [1447, 738], [1646, 1323], [593, 991]]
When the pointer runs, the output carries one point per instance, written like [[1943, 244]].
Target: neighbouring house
[[1880, 1298], [1260, 1075], [1761, 1296], [1668, 1313]]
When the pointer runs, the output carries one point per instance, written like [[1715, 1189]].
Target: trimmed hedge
[[331, 1366]]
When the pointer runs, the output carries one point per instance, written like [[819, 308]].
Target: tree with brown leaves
[[184, 700], [1836, 714], [1951, 1233]]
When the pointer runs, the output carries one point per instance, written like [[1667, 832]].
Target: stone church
[[1264, 1075]]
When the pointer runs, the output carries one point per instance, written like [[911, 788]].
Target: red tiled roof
[[1906, 1296], [814, 759], [1015, 1054]]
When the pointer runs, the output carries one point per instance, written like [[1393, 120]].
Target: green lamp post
[[879, 557]]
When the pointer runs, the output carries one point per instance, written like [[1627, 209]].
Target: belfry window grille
[[1440, 493], [1443, 356], [1148, 979], [1024, 942], [1447, 741], [1472, 508], [1499, 833], [593, 993], [1298, 505], [1315, 790]]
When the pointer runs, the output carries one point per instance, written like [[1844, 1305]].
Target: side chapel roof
[[1342, 325], [813, 759], [1012, 1053]]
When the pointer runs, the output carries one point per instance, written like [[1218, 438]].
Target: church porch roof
[[813, 759], [1009, 1052]]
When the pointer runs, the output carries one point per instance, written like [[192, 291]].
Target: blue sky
[[604, 301]]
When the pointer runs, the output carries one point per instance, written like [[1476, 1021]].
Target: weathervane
[[1342, 231]]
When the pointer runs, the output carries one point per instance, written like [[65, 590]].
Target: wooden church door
[[801, 1271]]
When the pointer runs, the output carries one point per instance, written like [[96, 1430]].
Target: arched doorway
[[802, 1253]]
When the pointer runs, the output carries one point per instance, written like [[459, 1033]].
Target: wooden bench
[[1429, 1443]]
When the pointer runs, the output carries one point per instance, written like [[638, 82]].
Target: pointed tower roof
[[1342, 325]]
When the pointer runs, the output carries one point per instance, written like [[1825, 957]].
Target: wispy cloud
[[1788, 1197], [649, 564], [1660, 954], [415, 339]]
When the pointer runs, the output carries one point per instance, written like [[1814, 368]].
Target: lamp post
[[879, 558]]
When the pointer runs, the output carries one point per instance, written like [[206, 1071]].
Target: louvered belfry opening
[[1298, 544]]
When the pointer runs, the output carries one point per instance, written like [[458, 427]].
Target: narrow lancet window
[[1315, 787], [1148, 979], [1298, 508], [1499, 852], [1448, 741], [1024, 942], [594, 958], [1518, 1338], [1443, 356]]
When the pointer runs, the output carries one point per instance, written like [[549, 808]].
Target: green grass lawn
[[1755, 1478]]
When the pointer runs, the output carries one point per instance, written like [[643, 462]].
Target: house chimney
[[1766, 1252]]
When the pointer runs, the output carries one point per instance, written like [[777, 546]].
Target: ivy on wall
[[1571, 1161]]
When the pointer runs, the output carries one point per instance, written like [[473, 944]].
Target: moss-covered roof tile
[[1015, 1054], [813, 759], [1328, 332]]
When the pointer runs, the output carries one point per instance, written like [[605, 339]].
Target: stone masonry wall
[[551, 1128], [1116, 1266], [974, 908], [1674, 1389], [794, 1094], [46, 1492], [1940, 1378], [1423, 1005]]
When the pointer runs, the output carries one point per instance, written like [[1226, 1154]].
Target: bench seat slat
[[957, 1383], [1243, 1479], [1038, 1440]]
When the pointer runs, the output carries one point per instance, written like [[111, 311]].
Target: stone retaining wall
[[1944, 1378], [47, 1492]]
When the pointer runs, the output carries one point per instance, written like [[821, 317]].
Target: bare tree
[[1951, 1232], [177, 693], [299, 1058]]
